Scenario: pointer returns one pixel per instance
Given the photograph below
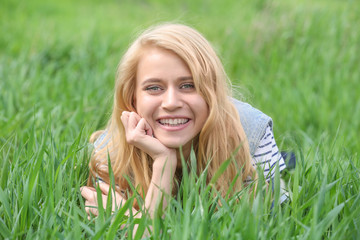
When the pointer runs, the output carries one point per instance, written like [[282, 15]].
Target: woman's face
[[166, 97]]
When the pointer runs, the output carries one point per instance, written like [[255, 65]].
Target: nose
[[171, 99]]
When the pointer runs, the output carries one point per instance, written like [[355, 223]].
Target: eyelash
[[152, 88], [158, 88], [187, 85]]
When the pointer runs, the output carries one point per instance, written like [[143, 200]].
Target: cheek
[[145, 107], [138, 102], [202, 108]]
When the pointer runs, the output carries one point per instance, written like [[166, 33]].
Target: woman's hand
[[91, 202], [140, 134]]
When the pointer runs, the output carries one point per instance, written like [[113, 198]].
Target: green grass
[[298, 61]]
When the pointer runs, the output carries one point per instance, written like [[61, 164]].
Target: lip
[[173, 128]]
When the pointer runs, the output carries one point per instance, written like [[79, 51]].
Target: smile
[[173, 122]]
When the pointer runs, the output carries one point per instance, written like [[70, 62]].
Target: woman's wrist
[[165, 161]]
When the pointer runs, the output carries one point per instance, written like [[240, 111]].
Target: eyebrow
[[157, 80], [150, 80], [185, 78]]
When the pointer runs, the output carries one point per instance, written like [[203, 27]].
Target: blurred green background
[[298, 61]]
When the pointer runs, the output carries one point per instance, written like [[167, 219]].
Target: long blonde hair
[[221, 137]]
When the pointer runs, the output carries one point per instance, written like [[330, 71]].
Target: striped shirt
[[267, 155]]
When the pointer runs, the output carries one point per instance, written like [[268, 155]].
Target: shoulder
[[254, 123], [104, 146], [102, 140], [267, 155], [103, 150]]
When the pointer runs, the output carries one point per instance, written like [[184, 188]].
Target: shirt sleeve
[[101, 141], [267, 155]]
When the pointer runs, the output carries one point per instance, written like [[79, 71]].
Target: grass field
[[298, 61]]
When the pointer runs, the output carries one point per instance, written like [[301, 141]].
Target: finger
[[125, 113], [91, 208], [87, 208], [89, 193], [87, 188], [104, 187], [94, 211], [134, 119], [125, 118], [143, 125], [135, 115], [116, 197]]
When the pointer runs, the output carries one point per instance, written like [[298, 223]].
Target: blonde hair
[[222, 136]]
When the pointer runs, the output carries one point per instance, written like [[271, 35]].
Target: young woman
[[172, 93]]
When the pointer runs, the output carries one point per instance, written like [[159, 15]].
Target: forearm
[[161, 183]]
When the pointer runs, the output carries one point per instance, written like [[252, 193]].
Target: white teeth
[[173, 122]]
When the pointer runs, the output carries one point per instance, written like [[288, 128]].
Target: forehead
[[157, 52], [159, 62]]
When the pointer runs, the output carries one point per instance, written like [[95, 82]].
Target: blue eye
[[152, 88], [187, 86]]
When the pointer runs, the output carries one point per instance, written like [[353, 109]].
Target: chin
[[185, 146], [173, 144]]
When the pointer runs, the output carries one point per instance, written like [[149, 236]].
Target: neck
[[186, 150], [185, 153]]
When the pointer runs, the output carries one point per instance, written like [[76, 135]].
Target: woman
[[172, 93]]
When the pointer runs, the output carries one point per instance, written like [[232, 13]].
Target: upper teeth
[[173, 121]]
